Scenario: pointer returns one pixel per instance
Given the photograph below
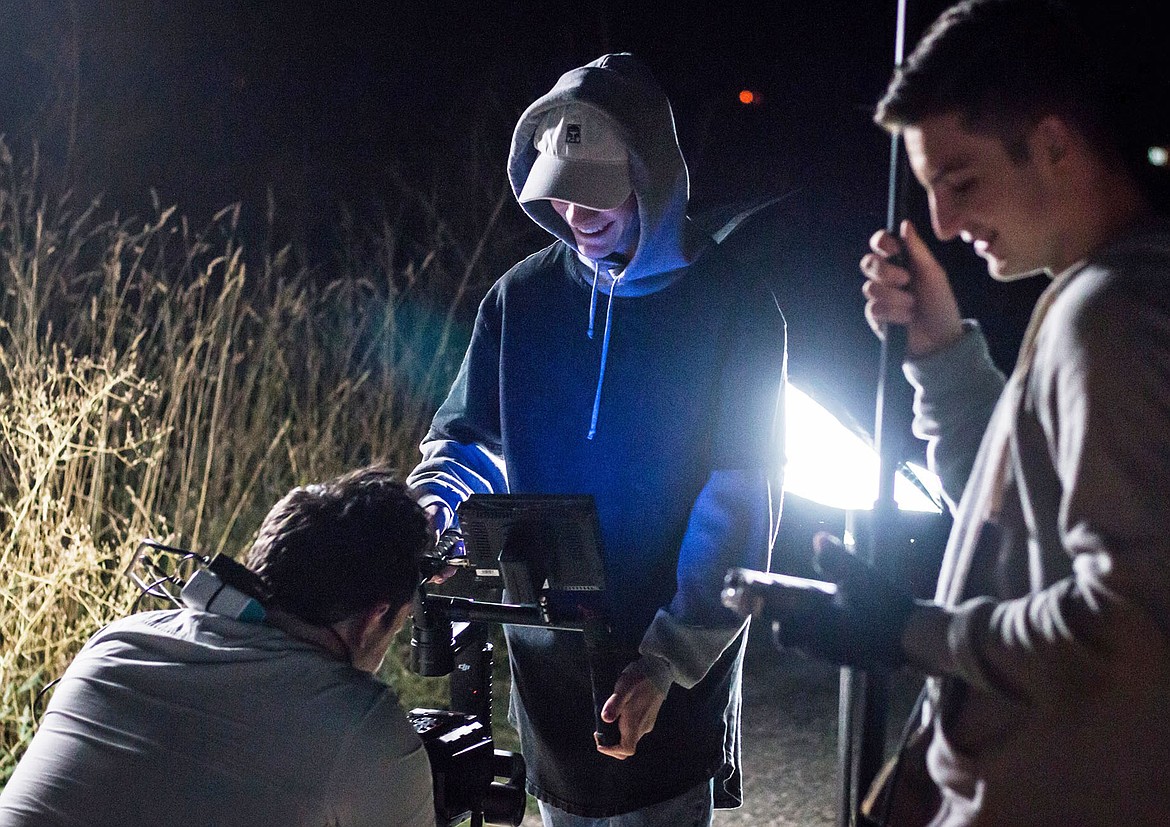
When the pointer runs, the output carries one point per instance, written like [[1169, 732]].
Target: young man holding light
[[1048, 644]]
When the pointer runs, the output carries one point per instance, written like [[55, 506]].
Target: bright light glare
[[831, 465], [1159, 156]]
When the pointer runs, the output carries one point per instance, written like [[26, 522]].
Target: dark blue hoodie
[[655, 388]]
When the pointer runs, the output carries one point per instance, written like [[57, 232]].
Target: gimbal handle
[[434, 644]]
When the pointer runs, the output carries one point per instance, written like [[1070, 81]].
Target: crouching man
[[187, 717]]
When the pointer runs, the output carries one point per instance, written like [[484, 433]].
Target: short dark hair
[[331, 550], [1002, 65]]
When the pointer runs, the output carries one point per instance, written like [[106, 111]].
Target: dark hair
[[334, 549], [1002, 65]]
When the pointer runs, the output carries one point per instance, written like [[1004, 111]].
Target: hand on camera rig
[[855, 617]]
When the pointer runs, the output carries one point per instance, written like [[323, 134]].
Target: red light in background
[[747, 96]]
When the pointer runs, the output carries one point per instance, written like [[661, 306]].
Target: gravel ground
[[790, 740]]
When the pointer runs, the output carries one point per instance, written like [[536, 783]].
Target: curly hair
[[330, 550]]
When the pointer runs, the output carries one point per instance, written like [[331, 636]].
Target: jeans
[[691, 809]]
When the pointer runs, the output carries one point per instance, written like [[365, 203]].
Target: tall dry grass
[[155, 380]]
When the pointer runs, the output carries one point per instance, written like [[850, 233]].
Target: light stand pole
[[864, 695]]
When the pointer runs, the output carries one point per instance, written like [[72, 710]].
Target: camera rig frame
[[543, 552]]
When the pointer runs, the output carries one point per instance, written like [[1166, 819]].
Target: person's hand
[[860, 625], [439, 519], [634, 704], [917, 295]]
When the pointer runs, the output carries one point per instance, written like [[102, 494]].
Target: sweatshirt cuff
[[926, 639], [938, 370], [658, 670], [429, 493], [426, 497], [965, 634], [689, 651]]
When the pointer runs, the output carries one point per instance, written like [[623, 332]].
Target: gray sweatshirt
[[189, 718], [1053, 705]]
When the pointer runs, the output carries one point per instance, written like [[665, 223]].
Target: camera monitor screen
[[528, 539]]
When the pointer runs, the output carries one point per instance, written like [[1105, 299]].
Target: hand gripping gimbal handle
[[603, 673]]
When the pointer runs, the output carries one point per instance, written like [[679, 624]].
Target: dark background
[[367, 113]]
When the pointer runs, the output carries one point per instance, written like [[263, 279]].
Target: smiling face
[[1006, 209], [600, 233]]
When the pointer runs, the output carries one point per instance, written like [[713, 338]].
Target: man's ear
[[374, 621], [1051, 141], [401, 616], [368, 634]]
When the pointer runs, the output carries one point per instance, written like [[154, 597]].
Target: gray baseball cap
[[581, 159]]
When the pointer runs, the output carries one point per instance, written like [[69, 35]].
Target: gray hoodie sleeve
[[451, 471], [955, 391], [1092, 441]]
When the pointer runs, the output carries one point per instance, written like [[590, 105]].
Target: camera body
[[465, 765]]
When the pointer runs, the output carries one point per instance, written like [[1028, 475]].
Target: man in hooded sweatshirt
[[636, 360]]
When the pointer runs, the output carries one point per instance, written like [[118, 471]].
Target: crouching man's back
[[189, 717]]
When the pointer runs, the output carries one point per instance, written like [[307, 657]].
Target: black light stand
[[865, 695]]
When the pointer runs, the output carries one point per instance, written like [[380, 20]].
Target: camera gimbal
[[539, 550]]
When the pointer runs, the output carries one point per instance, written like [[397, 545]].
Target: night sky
[[355, 104]]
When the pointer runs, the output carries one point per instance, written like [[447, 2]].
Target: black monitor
[[530, 542]]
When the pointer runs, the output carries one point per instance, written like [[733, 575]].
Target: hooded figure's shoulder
[[535, 270], [741, 253], [532, 280]]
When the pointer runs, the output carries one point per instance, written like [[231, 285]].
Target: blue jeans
[[691, 809]]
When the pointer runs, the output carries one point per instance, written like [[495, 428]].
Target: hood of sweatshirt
[[622, 88]]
